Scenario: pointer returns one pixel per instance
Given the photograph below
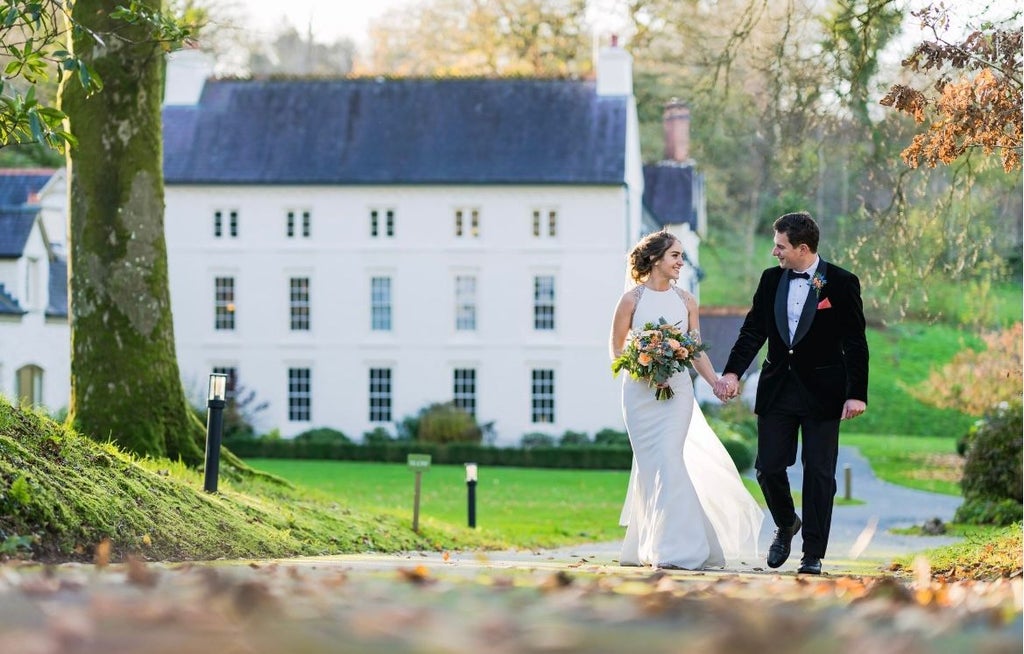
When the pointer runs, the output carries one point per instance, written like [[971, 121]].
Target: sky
[[332, 19]]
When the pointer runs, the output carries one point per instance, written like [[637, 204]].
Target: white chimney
[[614, 70], [187, 71]]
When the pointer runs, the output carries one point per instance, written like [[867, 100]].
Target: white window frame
[[292, 223], [300, 394], [464, 389], [467, 222], [299, 304], [545, 223], [382, 223], [545, 302], [381, 293], [380, 394], [222, 230], [224, 309], [465, 302], [542, 396]]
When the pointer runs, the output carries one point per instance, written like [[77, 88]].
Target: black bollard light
[[471, 492], [214, 429]]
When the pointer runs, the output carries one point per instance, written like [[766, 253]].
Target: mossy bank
[[61, 494]]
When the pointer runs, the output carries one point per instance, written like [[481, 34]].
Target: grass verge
[[61, 494], [985, 553]]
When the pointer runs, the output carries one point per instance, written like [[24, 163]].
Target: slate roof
[[407, 131], [719, 329], [58, 305], [15, 226], [17, 186], [8, 305], [668, 194]]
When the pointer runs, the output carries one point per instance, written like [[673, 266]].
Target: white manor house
[[353, 250]]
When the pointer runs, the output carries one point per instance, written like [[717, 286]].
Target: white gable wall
[[423, 347], [32, 338]]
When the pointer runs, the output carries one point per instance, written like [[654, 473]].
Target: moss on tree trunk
[[125, 383]]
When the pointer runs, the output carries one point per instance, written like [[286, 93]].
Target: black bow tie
[[795, 275]]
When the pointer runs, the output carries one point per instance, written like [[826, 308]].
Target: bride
[[686, 507]]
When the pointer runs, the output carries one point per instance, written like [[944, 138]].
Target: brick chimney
[[676, 124]]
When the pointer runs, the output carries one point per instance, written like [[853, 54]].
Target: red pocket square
[[824, 304]]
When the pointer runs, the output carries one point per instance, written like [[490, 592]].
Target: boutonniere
[[818, 283]]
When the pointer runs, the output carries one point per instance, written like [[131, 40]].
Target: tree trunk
[[125, 383]]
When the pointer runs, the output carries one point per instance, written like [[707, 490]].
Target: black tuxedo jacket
[[829, 352]]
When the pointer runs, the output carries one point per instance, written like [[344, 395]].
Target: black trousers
[[777, 431]]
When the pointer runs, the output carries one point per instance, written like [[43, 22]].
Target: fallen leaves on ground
[[331, 607]]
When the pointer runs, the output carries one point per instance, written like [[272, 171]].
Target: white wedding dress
[[686, 506]]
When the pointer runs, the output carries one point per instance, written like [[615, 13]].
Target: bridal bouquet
[[656, 352]]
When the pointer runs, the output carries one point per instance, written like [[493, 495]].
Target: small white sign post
[[418, 463]]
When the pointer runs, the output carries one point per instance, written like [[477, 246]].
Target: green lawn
[[542, 508], [531, 506], [902, 357], [927, 463]]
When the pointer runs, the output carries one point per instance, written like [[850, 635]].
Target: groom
[[815, 375]]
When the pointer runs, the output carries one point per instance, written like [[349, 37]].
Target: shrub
[[611, 438], [740, 452], [536, 439], [447, 423], [737, 416], [724, 430], [989, 512], [574, 438], [377, 435], [407, 429], [974, 381], [323, 435], [992, 472]]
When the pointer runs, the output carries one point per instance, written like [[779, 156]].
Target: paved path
[[860, 541]]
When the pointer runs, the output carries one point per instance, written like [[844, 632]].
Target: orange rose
[[682, 353], [644, 358], [673, 343]]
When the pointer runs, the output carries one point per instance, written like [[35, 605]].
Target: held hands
[[727, 387]]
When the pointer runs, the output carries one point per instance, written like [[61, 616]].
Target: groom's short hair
[[799, 228]]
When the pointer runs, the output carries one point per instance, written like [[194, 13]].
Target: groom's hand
[[853, 408], [727, 387]]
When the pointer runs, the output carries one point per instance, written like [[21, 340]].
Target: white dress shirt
[[799, 289]]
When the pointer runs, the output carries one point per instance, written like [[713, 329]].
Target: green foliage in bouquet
[[656, 352]]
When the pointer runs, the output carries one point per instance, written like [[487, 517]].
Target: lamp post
[[471, 492], [215, 404]]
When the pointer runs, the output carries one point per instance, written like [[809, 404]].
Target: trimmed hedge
[[593, 458], [581, 457]]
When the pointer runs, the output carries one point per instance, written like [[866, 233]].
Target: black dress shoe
[[778, 552], [810, 565]]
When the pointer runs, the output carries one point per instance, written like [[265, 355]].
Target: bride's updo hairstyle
[[647, 252]]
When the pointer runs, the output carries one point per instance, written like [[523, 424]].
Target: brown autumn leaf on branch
[[974, 101], [973, 382]]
